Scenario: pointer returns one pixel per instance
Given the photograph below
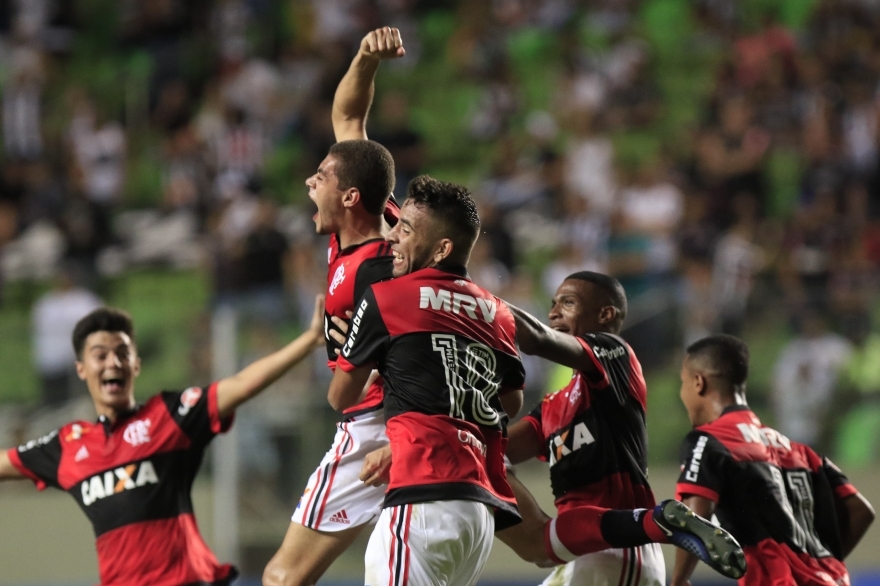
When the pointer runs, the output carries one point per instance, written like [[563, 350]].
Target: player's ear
[[607, 314], [351, 197], [700, 383], [442, 250], [80, 369]]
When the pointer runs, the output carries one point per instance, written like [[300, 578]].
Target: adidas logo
[[81, 455], [340, 517]]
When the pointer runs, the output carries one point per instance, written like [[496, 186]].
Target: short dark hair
[[727, 356], [615, 295], [103, 319], [368, 166], [453, 205]]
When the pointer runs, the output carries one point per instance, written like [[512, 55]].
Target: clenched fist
[[383, 43]]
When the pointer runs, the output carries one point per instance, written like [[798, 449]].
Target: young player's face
[[575, 309], [324, 191], [109, 365], [413, 240]]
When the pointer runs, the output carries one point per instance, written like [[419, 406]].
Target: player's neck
[[360, 228], [112, 413]]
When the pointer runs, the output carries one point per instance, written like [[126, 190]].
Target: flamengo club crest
[[137, 432], [338, 277]]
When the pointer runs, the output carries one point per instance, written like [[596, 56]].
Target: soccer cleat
[[694, 534]]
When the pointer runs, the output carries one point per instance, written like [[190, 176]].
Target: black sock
[[625, 528]]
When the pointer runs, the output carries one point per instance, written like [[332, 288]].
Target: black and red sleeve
[[368, 338], [702, 467], [196, 413], [610, 355], [840, 484], [535, 419], [373, 270], [39, 460]]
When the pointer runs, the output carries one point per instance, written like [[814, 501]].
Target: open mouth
[[113, 384], [560, 328]]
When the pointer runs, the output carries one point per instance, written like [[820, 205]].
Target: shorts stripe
[[399, 562], [312, 494], [346, 446], [394, 512], [623, 568], [638, 551], [313, 511]]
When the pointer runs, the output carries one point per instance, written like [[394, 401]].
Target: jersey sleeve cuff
[[345, 365], [218, 425], [15, 459], [536, 425], [601, 380], [845, 490], [685, 489]]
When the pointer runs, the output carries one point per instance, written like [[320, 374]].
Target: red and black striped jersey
[[776, 496], [351, 270], [593, 431], [446, 350], [133, 480]]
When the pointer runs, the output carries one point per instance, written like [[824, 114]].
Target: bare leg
[[305, 554]]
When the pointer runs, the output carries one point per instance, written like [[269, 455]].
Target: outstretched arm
[[856, 514], [685, 562], [235, 390], [534, 337], [355, 92], [7, 470]]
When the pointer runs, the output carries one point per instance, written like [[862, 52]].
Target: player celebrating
[[351, 189], [794, 511], [445, 348], [132, 471], [593, 435]]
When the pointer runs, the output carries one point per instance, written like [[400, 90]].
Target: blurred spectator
[[405, 144], [22, 106], [804, 379], [99, 149], [54, 316]]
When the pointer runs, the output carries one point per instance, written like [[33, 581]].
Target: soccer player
[[445, 349], [593, 435], [132, 470], [351, 190], [794, 511]]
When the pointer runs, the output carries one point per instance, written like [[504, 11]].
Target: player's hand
[[343, 329], [316, 327], [377, 464], [383, 43]]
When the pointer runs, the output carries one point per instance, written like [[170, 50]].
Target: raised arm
[[7, 470], [536, 338], [235, 390], [354, 96]]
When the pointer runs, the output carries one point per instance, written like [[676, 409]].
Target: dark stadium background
[[720, 158]]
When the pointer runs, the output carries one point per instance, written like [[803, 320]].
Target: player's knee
[[278, 574]]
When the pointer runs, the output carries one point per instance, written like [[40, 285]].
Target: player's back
[[774, 495], [446, 350]]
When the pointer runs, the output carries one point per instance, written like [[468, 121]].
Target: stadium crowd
[[720, 166]]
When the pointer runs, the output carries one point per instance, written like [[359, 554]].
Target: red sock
[[574, 533], [652, 529]]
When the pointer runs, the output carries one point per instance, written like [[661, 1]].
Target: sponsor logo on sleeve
[[693, 470], [38, 442], [188, 399]]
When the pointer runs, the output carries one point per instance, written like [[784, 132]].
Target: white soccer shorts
[[633, 566], [335, 498], [440, 543]]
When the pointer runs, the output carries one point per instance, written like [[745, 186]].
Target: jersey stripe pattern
[[351, 270], [133, 480], [446, 349], [776, 496], [593, 431]]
